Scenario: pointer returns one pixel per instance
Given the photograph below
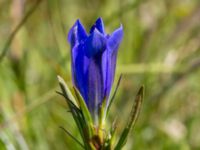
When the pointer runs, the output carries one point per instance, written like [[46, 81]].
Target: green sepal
[[132, 119], [85, 111], [102, 112], [66, 91], [101, 117], [109, 140], [77, 113]]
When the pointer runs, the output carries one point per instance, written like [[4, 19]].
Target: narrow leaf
[[77, 141], [132, 119], [112, 98], [76, 113]]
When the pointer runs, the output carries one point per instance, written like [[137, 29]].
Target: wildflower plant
[[93, 63]]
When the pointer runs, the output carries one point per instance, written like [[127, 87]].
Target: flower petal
[[115, 39], [99, 25], [79, 70], [108, 70], [106, 67], [95, 44], [76, 34], [95, 84], [109, 59]]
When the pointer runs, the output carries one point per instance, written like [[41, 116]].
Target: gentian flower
[[93, 63], [94, 56]]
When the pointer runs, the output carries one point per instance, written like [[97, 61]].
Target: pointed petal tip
[[121, 27], [115, 38], [77, 33], [119, 32], [99, 25], [99, 19], [78, 23]]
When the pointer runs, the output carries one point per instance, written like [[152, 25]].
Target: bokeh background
[[160, 49]]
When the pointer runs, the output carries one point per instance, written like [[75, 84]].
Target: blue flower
[[93, 61]]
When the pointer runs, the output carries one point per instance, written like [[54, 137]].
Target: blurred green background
[[160, 49]]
